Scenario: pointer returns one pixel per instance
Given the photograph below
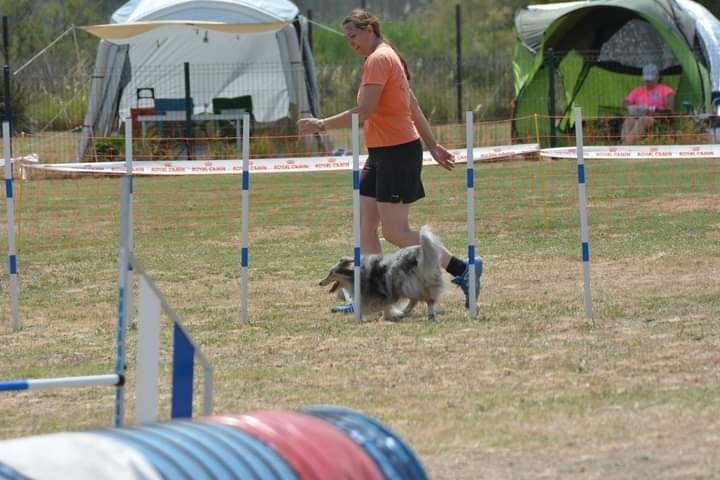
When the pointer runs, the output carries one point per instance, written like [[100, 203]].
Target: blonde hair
[[363, 20]]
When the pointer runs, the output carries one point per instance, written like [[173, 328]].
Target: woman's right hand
[[310, 125]]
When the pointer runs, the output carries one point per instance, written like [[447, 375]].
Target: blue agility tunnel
[[195, 450], [396, 460], [316, 443]]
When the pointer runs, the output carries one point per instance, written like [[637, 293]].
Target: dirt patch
[[685, 203]]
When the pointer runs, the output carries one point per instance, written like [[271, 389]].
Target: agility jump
[[152, 304]]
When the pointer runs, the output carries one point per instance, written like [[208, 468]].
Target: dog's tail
[[430, 250]]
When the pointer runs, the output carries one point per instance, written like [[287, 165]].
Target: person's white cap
[[650, 72]]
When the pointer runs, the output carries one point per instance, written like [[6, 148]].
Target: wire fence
[[50, 102]]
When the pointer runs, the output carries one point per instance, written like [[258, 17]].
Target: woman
[[393, 125], [644, 103]]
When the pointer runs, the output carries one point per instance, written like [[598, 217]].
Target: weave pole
[[470, 140], [7, 145], [356, 214], [124, 287], [582, 201], [244, 252], [12, 253]]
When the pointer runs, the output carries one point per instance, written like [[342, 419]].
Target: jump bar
[[49, 383]]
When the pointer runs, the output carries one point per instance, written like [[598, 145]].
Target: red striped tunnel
[[315, 443]]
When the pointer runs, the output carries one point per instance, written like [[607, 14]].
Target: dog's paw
[[339, 294], [393, 315]]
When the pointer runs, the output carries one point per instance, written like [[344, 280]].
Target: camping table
[[234, 116]]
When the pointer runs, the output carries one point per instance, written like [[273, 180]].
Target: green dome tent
[[591, 53]]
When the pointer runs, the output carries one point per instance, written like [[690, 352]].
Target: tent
[[234, 49], [591, 53]]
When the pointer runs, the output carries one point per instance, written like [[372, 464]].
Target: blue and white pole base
[[584, 242]]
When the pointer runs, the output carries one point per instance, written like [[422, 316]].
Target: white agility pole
[[12, 253], [584, 243], [244, 252], [123, 276], [356, 213], [129, 173], [148, 355], [470, 139]]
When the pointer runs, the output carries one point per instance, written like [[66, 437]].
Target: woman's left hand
[[443, 157]]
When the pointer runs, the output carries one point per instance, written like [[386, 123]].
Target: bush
[[109, 149], [18, 103]]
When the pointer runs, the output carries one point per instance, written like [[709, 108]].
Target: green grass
[[527, 388]]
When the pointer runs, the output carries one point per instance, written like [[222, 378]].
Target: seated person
[[645, 101]]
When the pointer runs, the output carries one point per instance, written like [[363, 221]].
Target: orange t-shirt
[[391, 122]]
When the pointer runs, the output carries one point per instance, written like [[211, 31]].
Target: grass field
[[529, 389]]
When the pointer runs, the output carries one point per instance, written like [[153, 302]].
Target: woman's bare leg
[[627, 128], [369, 222], [394, 218]]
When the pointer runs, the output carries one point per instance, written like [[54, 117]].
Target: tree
[[34, 24]]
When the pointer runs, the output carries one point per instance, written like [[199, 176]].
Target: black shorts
[[392, 174]]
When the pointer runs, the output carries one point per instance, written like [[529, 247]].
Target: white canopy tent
[[234, 48]]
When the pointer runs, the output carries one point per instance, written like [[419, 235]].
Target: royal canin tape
[[269, 165], [636, 151]]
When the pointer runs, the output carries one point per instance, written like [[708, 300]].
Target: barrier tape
[[31, 158], [636, 151], [268, 165]]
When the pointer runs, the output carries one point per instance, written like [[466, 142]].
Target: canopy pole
[[188, 113]]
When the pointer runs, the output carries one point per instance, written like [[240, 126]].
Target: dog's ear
[[347, 262]]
